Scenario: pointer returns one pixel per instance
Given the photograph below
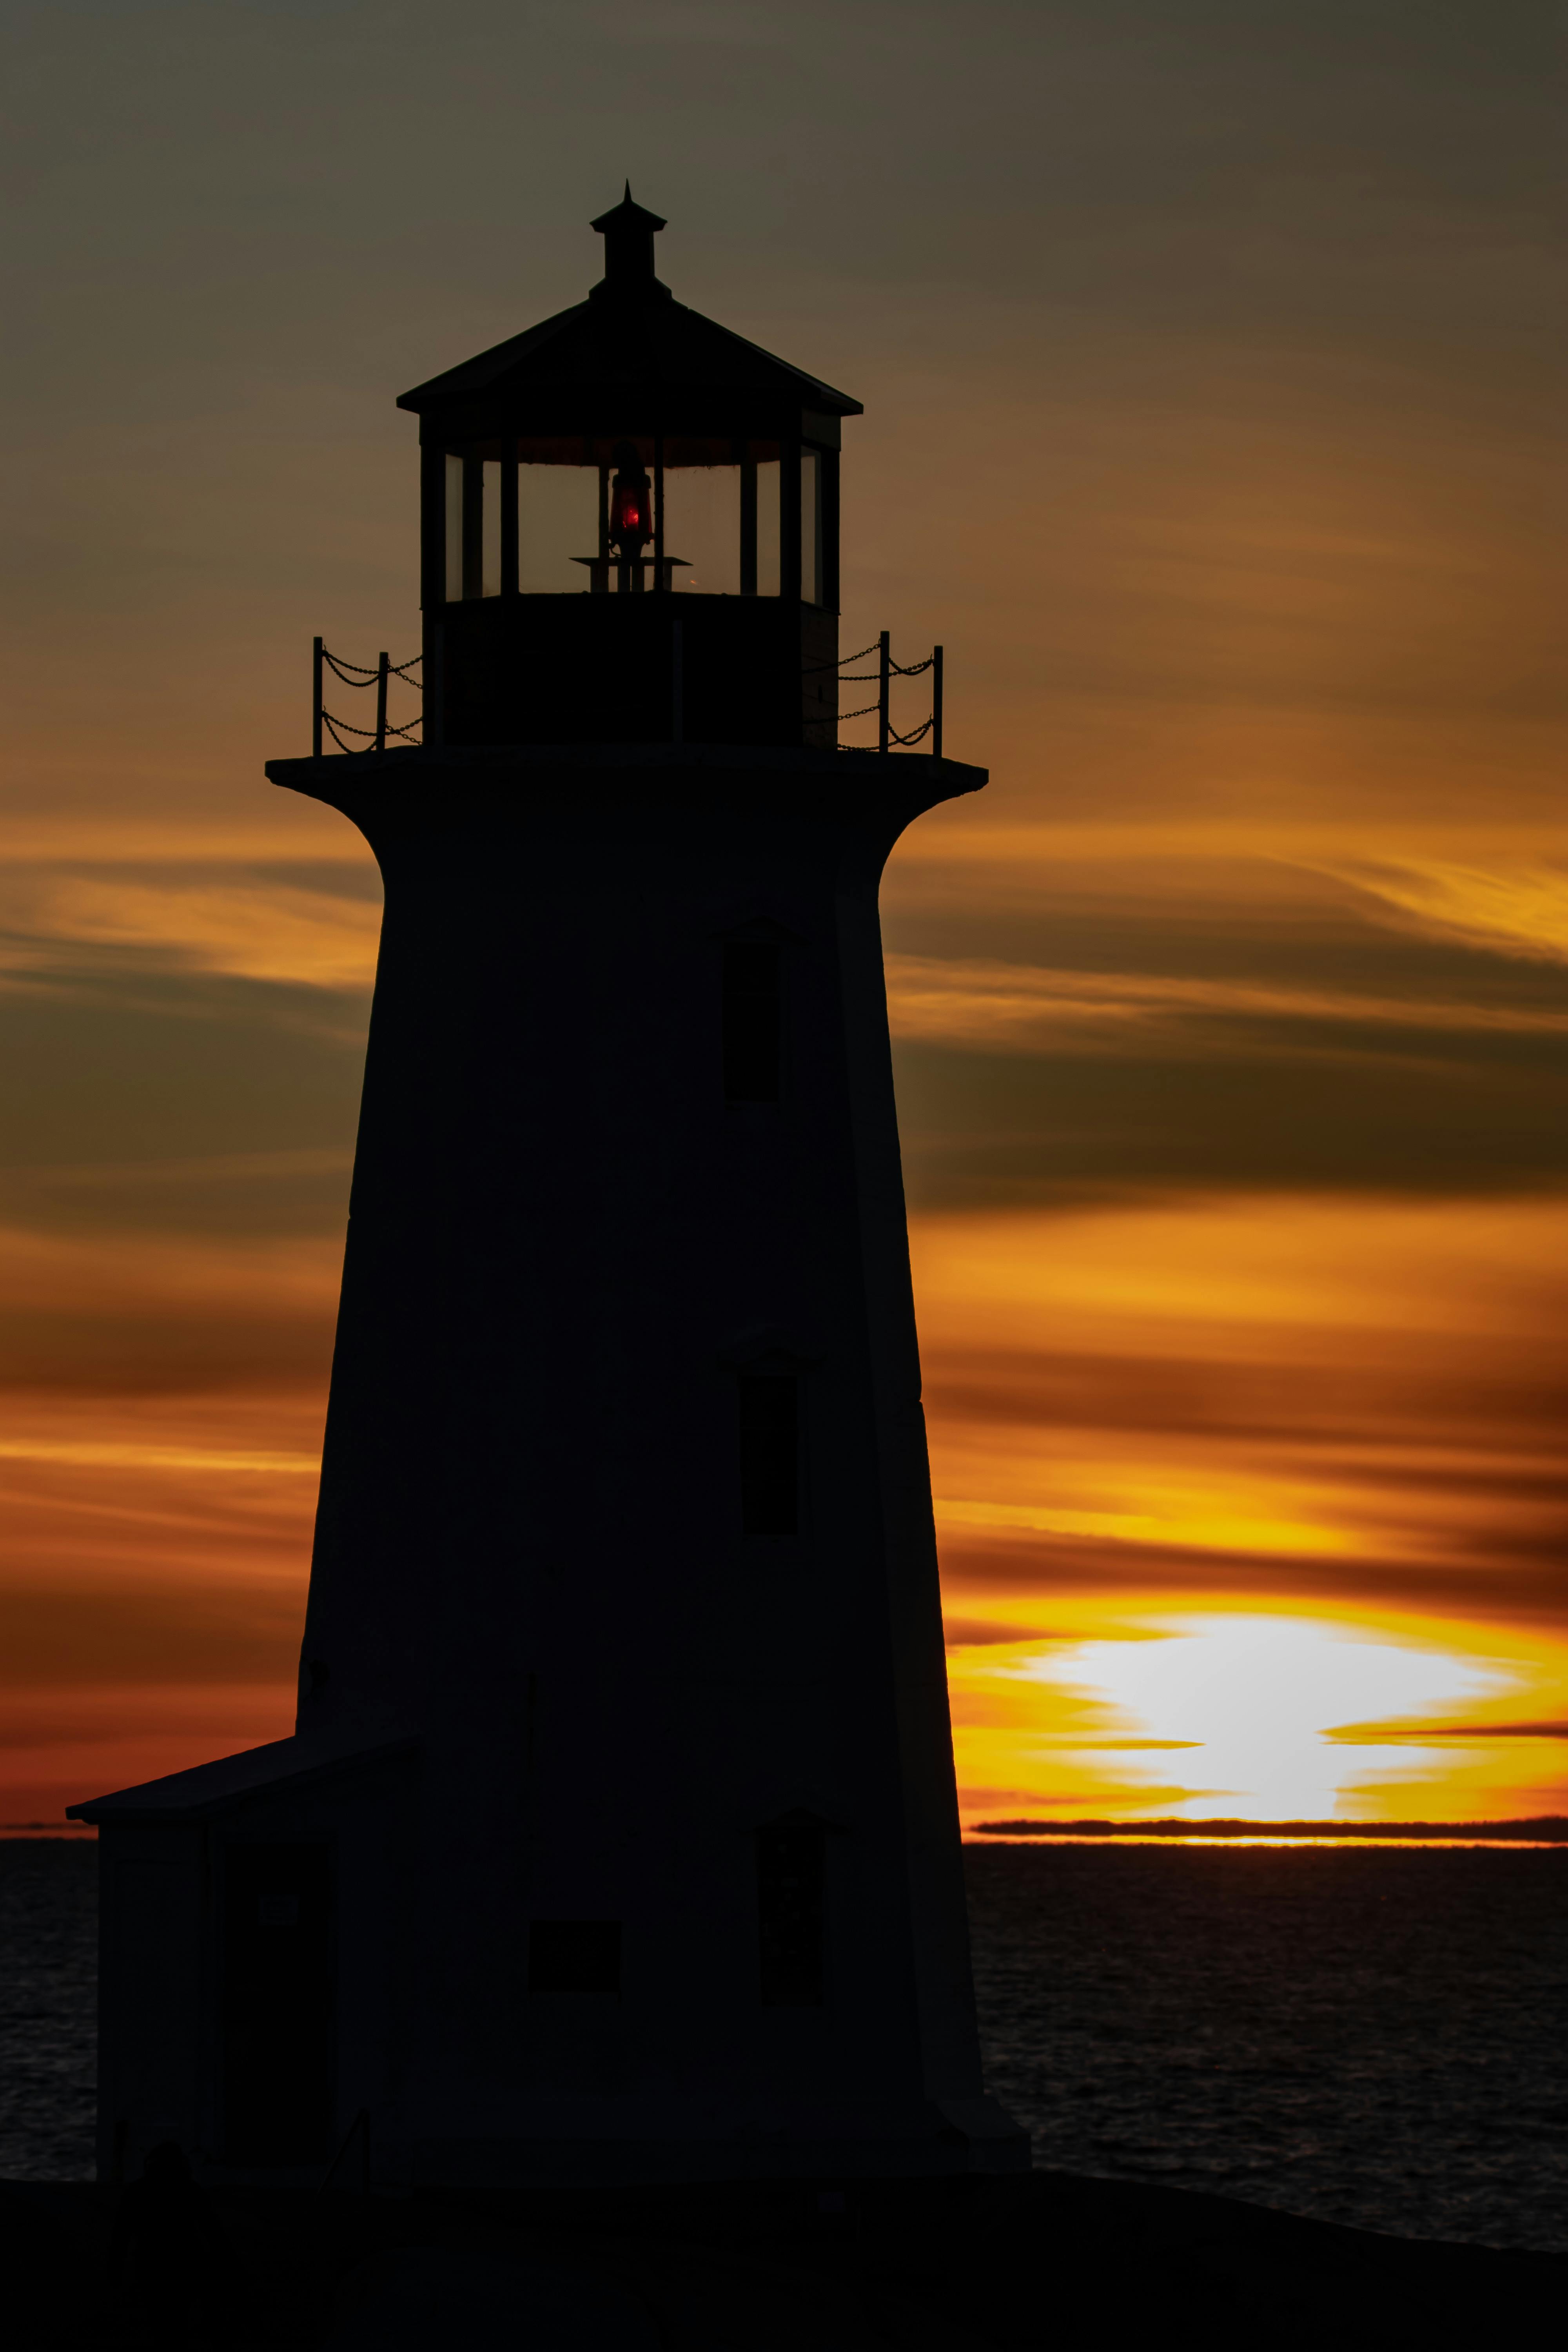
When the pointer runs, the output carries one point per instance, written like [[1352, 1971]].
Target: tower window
[[574, 1956], [790, 1913], [769, 1453], [751, 1022]]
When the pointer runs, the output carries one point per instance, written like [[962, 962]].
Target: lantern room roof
[[630, 346]]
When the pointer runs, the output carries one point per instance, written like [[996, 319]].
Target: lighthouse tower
[[617, 1836]]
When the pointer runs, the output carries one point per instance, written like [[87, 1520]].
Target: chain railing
[[360, 678], [355, 675], [882, 678]]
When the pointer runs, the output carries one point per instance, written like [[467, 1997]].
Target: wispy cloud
[[218, 1168], [299, 831], [1421, 1735], [1219, 1516], [1021, 1007], [1335, 1401], [1521, 910], [98, 1454], [104, 1317], [248, 929]]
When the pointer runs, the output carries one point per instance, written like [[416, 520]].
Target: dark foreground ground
[[954, 2266]]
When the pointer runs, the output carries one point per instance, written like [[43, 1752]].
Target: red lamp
[[631, 502]]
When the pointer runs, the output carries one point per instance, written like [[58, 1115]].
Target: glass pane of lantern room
[[769, 489], [702, 525], [557, 520], [489, 530], [811, 527], [454, 527]]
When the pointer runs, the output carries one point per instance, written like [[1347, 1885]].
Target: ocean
[[1371, 2036], [1366, 2035], [49, 1986]]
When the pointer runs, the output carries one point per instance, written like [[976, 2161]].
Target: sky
[[1211, 358]]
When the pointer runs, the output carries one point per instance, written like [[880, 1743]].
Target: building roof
[[631, 341], [208, 1788]]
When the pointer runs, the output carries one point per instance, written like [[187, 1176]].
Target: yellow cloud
[[1522, 910], [95, 1454], [1211, 1277], [1216, 1519], [253, 931]]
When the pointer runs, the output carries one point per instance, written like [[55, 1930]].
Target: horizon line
[[1551, 1829]]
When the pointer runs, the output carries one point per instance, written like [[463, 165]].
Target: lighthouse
[[618, 1838]]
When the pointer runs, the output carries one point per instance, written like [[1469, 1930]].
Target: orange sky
[[1208, 421]]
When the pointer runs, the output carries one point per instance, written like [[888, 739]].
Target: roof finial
[[629, 230]]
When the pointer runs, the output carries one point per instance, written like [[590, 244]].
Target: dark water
[[1373, 2037], [48, 1985]]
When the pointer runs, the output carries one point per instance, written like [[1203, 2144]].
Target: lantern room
[[629, 528]]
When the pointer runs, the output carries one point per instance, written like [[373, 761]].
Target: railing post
[[315, 698], [381, 702], [677, 686], [658, 580], [936, 702], [884, 722], [508, 569]]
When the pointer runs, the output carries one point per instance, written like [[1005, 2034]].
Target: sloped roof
[[629, 337], [207, 1788], [588, 346]]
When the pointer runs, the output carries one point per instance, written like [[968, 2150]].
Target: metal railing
[[361, 677], [355, 675], [882, 678]]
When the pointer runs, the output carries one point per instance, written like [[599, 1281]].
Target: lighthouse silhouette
[[618, 1839]]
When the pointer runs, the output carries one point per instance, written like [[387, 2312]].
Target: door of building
[[278, 2002]]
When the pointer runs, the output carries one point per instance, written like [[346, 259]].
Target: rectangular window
[[752, 1011], [811, 526], [790, 1856], [769, 1453], [454, 528], [574, 1956]]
